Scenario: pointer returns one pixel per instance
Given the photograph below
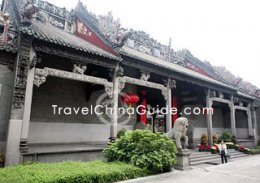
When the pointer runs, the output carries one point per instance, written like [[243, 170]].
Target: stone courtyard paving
[[245, 170]]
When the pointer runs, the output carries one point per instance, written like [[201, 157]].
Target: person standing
[[223, 152]]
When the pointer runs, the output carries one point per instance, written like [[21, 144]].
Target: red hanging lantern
[[130, 98]]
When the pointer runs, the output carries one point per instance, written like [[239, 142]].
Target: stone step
[[204, 154], [235, 153], [204, 158], [201, 155], [239, 156], [217, 162], [198, 158], [203, 161]]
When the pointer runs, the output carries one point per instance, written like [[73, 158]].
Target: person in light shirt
[[223, 151]]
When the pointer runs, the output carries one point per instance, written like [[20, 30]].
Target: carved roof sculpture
[[7, 34], [49, 30], [51, 14]]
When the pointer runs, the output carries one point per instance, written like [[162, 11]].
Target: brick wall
[[6, 81]]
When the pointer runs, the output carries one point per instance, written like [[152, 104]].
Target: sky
[[223, 32]]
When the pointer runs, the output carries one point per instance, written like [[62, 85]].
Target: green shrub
[[204, 139], [71, 172], [145, 149], [121, 132], [256, 150], [226, 136], [258, 143]]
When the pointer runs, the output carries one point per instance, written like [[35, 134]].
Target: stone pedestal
[[183, 160]]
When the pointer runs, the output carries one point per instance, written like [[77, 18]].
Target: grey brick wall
[[6, 82], [62, 92], [258, 120], [241, 119]]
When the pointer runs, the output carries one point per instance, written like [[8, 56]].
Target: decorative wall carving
[[221, 95], [172, 83], [144, 76], [35, 60], [40, 77], [121, 85], [120, 72], [79, 69], [109, 90], [21, 73]]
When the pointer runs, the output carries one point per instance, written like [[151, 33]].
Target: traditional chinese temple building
[[53, 57]]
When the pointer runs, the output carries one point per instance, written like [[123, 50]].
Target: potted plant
[[204, 139], [226, 136], [215, 139]]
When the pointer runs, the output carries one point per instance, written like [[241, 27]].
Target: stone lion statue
[[178, 131]]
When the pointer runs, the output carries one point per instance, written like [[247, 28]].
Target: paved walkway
[[241, 171]]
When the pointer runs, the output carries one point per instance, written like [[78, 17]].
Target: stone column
[[232, 116], [168, 107], [13, 155], [254, 120], [28, 97], [113, 128], [209, 104], [249, 120], [27, 112]]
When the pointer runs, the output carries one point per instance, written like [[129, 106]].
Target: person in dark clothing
[[223, 152]]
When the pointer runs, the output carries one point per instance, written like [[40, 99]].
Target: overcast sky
[[223, 32]]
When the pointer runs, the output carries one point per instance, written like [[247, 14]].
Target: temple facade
[[55, 65]]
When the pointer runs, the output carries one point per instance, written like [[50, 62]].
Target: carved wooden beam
[[241, 108], [41, 75], [221, 100], [126, 79]]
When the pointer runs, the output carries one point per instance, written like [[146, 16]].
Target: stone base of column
[[13, 154], [183, 160]]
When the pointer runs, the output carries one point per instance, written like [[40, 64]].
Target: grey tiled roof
[[8, 47], [168, 65], [57, 36]]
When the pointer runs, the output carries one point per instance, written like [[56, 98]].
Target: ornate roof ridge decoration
[[109, 31], [243, 86], [172, 67], [105, 27], [14, 11], [205, 64], [143, 42]]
